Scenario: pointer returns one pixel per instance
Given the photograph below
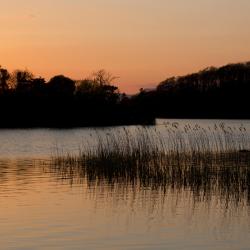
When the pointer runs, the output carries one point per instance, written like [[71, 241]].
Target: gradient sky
[[141, 41]]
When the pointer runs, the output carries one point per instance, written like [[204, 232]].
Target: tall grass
[[203, 160]]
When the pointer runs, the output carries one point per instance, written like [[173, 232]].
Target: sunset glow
[[141, 41]]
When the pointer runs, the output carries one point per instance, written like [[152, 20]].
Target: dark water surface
[[41, 208]]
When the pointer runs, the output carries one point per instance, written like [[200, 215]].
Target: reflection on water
[[204, 204], [47, 208], [228, 181]]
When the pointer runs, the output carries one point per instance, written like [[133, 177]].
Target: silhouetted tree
[[102, 77], [21, 80], [61, 86], [97, 92], [4, 77], [99, 89], [38, 86], [86, 86]]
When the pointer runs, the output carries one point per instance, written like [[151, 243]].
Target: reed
[[202, 160]]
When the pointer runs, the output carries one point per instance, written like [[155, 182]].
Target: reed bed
[[212, 160]]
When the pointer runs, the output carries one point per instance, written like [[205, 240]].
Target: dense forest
[[28, 101], [211, 93]]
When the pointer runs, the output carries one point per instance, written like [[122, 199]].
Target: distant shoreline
[[117, 124], [213, 93]]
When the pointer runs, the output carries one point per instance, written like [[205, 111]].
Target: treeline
[[211, 93], [28, 101]]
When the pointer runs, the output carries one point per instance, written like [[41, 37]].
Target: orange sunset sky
[[141, 41]]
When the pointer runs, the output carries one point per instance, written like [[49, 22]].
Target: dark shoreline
[[88, 124], [213, 93]]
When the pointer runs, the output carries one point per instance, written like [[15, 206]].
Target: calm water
[[43, 209]]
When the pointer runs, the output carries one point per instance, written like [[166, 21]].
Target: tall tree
[[4, 77]]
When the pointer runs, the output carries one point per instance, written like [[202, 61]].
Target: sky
[[142, 42]]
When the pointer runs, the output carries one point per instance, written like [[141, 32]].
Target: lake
[[43, 207]]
